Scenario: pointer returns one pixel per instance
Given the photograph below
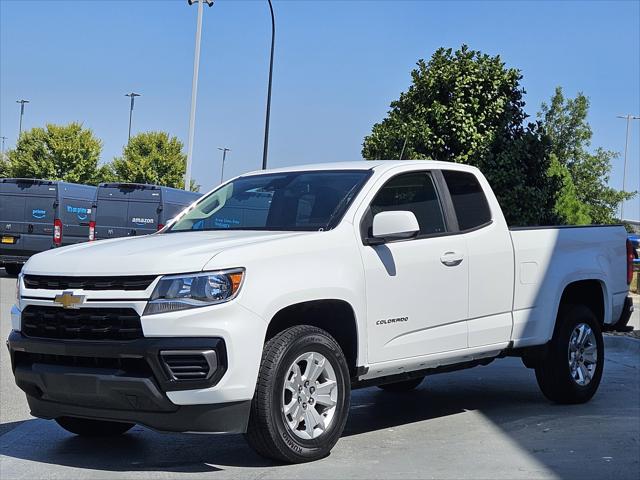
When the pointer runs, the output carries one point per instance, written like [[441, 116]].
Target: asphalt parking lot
[[488, 422]]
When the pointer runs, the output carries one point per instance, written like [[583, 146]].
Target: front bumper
[[121, 381]]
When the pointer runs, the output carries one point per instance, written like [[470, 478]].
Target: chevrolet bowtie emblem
[[69, 300]]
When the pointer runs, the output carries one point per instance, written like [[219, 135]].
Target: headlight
[[181, 292]]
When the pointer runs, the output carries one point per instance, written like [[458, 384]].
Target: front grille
[[137, 367], [189, 365], [140, 282], [81, 324]]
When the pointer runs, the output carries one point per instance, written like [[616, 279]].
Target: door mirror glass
[[394, 225]]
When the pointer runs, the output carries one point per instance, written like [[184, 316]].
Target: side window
[[469, 201], [415, 193]]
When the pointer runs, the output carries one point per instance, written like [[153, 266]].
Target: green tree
[[568, 208], [58, 152], [586, 175], [153, 157], [468, 107]]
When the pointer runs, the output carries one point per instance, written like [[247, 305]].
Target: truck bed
[[547, 259]]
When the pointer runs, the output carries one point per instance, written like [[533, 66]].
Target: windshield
[[278, 201]]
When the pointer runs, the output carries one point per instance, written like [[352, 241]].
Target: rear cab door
[[481, 224]]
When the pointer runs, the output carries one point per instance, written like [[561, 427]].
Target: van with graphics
[[131, 209], [36, 215]]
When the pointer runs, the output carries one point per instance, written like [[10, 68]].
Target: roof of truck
[[359, 165]]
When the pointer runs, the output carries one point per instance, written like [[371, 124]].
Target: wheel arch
[[591, 293], [337, 317]]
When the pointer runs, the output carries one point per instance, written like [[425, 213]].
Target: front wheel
[[302, 396], [86, 427], [572, 370]]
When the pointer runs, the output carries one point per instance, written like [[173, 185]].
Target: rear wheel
[[13, 269], [93, 428], [572, 369], [404, 386], [302, 396]]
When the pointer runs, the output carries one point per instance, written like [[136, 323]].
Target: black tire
[[553, 373], [403, 386], [93, 428], [13, 269], [268, 432]]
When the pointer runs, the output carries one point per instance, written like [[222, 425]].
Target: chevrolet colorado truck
[[260, 306]]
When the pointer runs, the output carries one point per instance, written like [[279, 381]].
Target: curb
[[622, 344]]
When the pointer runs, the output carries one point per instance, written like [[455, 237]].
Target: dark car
[[129, 209], [36, 215]]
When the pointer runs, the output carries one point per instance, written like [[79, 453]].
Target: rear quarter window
[[469, 200]]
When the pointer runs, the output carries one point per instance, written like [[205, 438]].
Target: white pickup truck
[[264, 303]]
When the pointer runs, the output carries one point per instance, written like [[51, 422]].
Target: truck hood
[[146, 255]]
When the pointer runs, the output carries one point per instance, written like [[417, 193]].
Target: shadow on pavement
[[145, 450], [138, 450], [7, 427], [507, 396]]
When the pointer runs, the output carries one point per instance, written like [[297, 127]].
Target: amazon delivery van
[[131, 209], [36, 215]]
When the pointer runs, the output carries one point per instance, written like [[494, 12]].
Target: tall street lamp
[[224, 157], [194, 90], [3, 138], [21, 102], [133, 96], [266, 123], [628, 117]]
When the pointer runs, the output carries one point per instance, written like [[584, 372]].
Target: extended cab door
[[490, 257], [416, 289]]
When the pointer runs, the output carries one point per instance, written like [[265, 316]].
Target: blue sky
[[338, 65]]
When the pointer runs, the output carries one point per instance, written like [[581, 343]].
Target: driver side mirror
[[393, 225]]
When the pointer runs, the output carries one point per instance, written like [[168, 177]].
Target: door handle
[[451, 259]]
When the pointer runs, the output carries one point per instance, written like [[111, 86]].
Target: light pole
[[628, 117], [3, 138], [133, 96], [194, 90], [224, 157], [266, 123], [21, 102]]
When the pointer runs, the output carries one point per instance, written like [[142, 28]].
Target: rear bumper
[[621, 324], [6, 258], [121, 381], [25, 247]]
